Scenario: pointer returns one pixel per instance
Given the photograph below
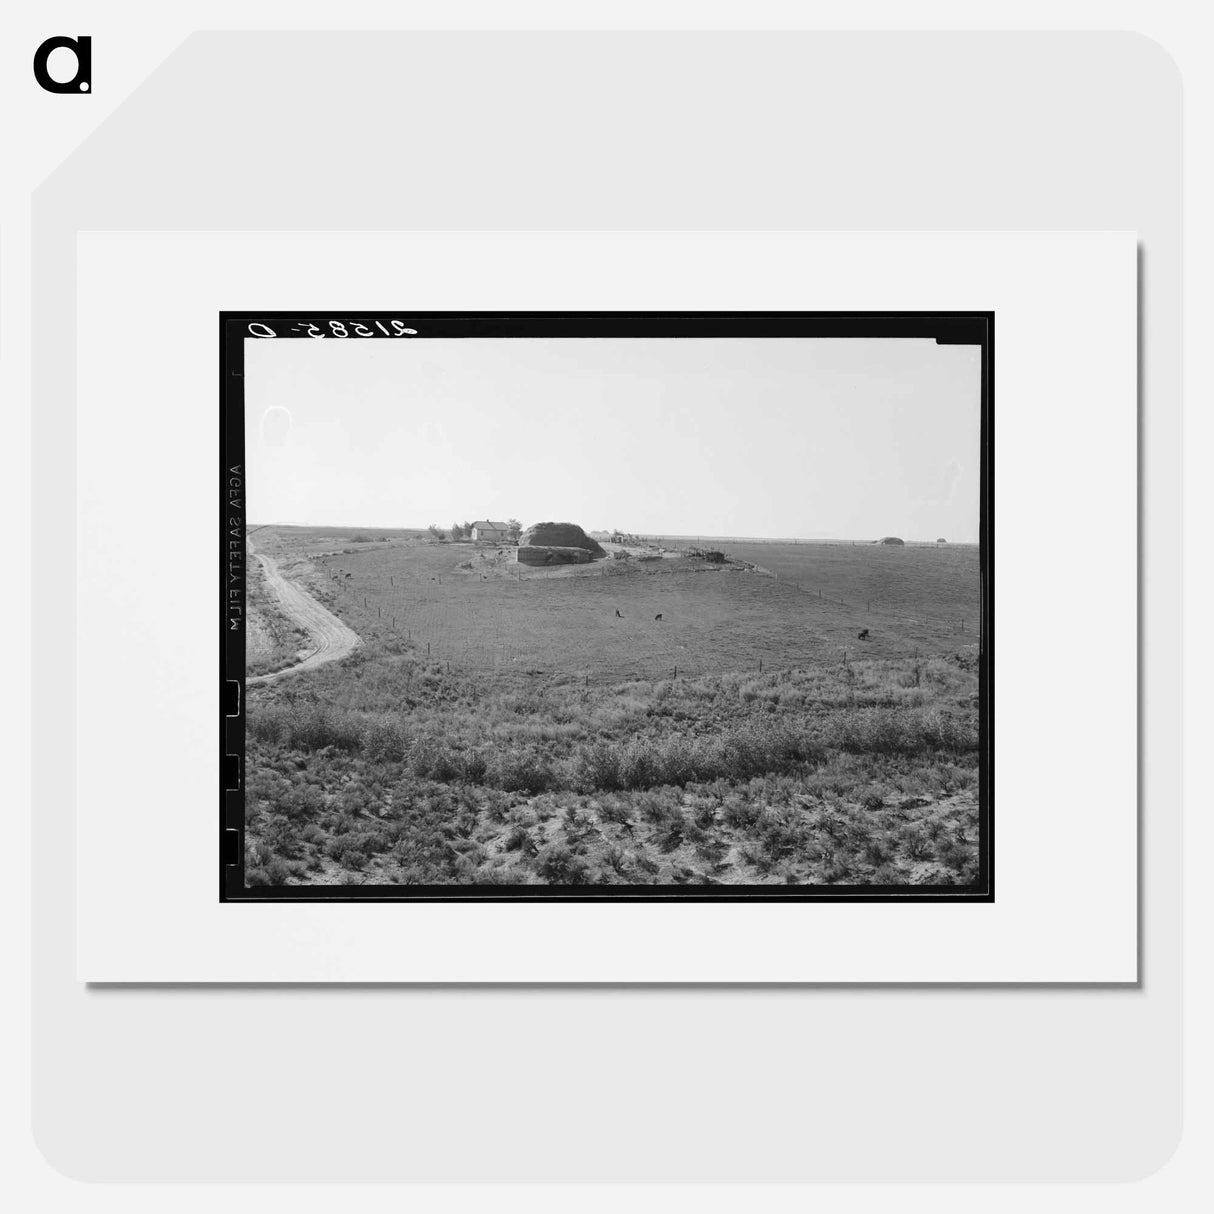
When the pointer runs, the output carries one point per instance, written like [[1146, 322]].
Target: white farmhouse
[[495, 533]]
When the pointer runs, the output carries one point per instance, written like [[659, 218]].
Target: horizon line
[[663, 535]]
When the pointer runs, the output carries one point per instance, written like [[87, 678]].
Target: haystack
[[560, 535], [892, 539]]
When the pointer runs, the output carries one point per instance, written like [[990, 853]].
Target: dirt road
[[328, 638]]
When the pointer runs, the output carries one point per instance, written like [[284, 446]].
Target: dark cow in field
[[617, 614], [862, 635], [658, 616]]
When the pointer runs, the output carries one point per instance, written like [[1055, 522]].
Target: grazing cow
[[658, 616], [349, 575], [617, 614], [863, 634]]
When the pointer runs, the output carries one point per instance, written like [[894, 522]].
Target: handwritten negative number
[[337, 328]]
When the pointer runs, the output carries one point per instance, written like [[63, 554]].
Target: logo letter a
[[82, 81]]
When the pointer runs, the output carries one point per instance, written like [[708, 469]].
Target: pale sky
[[791, 437]]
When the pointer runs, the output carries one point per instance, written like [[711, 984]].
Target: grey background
[[568, 131]]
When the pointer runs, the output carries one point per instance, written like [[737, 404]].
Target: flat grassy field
[[502, 724], [939, 584], [478, 610]]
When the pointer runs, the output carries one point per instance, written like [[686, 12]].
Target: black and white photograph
[[607, 605]]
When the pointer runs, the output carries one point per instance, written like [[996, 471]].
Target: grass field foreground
[[582, 758]]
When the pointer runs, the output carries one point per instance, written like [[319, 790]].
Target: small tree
[[438, 534], [514, 528], [457, 532]]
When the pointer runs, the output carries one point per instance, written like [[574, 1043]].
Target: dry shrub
[[910, 731], [384, 741], [305, 727], [520, 770], [557, 865]]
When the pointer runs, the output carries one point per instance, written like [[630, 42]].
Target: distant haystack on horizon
[[560, 535], [941, 540], [892, 539]]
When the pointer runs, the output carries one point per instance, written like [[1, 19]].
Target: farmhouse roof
[[496, 526]]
